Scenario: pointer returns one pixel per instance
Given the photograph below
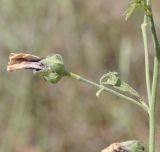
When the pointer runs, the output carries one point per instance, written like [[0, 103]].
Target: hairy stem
[[140, 104]]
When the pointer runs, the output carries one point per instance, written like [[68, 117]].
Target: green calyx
[[133, 146], [53, 68], [55, 64], [52, 77], [127, 146]]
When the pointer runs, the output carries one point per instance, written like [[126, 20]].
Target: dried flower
[[50, 68], [127, 146], [24, 61]]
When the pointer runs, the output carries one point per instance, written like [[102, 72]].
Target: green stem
[[147, 69], [152, 105], [152, 108], [155, 38], [140, 104]]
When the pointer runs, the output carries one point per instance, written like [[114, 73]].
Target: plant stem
[[147, 68], [152, 97], [152, 110], [152, 107], [140, 104], [155, 39]]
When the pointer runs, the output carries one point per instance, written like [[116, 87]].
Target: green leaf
[[112, 79], [131, 9], [134, 4]]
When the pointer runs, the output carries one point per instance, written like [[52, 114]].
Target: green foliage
[[134, 4], [43, 26], [112, 79], [131, 9]]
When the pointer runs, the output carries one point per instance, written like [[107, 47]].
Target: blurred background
[[93, 37]]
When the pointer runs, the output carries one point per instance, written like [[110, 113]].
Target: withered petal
[[114, 147], [23, 61]]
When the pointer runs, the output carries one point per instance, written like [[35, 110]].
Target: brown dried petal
[[23, 61], [115, 147]]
